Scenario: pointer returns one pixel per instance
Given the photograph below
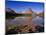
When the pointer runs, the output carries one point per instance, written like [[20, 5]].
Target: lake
[[26, 20]]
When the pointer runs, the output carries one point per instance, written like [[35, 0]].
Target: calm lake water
[[26, 20], [39, 21]]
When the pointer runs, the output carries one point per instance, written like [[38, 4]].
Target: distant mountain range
[[11, 13], [27, 11]]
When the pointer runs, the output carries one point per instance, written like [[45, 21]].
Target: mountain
[[27, 11], [10, 10], [10, 13], [41, 14]]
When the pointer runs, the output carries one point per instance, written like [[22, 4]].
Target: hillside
[[11, 13]]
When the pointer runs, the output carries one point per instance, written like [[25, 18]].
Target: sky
[[19, 6]]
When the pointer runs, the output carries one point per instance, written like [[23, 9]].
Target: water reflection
[[26, 20], [38, 21], [19, 20]]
